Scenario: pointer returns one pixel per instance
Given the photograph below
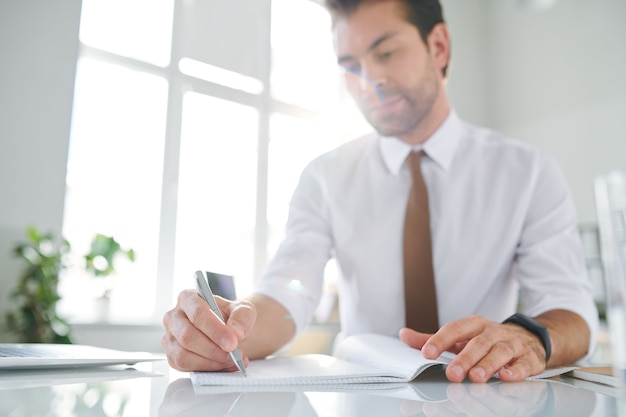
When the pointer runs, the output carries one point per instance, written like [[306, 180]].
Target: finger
[[508, 353], [413, 338], [521, 368], [484, 370], [187, 347], [200, 355], [490, 351], [186, 360], [483, 358], [486, 354], [453, 333], [201, 316]]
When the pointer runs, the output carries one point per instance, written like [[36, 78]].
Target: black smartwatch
[[535, 328]]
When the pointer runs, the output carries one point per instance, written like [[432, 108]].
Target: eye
[[351, 69], [384, 56]]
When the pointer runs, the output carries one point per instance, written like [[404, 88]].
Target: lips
[[385, 105]]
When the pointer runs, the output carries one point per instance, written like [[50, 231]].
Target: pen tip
[[242, 367]]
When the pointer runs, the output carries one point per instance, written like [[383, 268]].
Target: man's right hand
[[196, 340]]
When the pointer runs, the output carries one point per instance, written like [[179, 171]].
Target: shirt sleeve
[[550, 262], [295, 275]]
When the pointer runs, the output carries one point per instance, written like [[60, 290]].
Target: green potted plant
[[35, 320], [101, 262]]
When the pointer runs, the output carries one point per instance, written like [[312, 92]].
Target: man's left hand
[[483, 348]]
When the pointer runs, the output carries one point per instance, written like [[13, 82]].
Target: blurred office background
[[180, 127]]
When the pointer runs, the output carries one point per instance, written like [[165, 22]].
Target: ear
[[439, 45]]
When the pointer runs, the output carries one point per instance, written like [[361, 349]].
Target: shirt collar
[[440, 146]]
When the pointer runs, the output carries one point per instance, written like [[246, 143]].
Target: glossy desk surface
[[156, 390]]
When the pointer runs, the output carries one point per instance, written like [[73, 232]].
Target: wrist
[[535, 328]]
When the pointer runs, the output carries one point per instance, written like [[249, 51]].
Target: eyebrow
[[346, 58]]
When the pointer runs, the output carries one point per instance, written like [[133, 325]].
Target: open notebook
[[358, 359], [44, 356]]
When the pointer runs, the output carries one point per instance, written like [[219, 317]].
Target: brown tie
[[419, 279]]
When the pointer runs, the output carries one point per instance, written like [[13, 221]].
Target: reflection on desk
[[31, 378], [142, 393], [78, 391], [523, 399]]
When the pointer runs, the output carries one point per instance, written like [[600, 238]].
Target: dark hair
[[423, 14]]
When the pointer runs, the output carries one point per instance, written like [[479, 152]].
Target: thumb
[[242, 317]]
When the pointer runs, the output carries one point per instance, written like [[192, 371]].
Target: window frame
[[178, 84]]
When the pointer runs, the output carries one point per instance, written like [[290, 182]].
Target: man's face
[[389, 70]]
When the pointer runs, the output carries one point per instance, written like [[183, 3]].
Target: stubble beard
[[419, 103], [396, 124]]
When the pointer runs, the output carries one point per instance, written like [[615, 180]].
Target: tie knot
[[413, 160]]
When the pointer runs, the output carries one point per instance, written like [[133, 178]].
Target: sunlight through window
[[187, 173]]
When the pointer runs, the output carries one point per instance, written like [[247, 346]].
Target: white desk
[[141, 393]]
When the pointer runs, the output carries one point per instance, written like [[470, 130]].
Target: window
[[216, 188], [192, 122]]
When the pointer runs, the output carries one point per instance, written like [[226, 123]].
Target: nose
[[364, 82], [371, 79]]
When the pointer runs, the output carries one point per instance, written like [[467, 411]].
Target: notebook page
[[387, 353], [402, 390], [296, 370]]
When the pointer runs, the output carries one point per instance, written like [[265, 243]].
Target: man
[[501, 218]]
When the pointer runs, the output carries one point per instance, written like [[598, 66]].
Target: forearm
[[273, 328], [569, 335]]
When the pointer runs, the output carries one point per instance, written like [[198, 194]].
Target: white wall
[[553, 77], [558, 80], [469, 81], [38, 50]]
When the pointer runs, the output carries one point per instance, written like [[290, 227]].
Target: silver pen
[[202, 285]]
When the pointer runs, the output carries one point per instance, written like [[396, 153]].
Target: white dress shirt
[[504, 232]]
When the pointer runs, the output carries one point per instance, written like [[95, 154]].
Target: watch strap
[[535, 328]]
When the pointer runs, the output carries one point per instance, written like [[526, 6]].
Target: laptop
[[20, 378], [49, 356]]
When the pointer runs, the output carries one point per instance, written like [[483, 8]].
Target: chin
[[396, 127], [390, 130]]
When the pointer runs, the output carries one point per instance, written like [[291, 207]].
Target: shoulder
[[535, 177], [487, 140], [332, 174], [347, 155], [500, 151]]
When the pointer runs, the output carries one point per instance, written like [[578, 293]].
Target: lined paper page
[[297, 370], [362, 358]]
